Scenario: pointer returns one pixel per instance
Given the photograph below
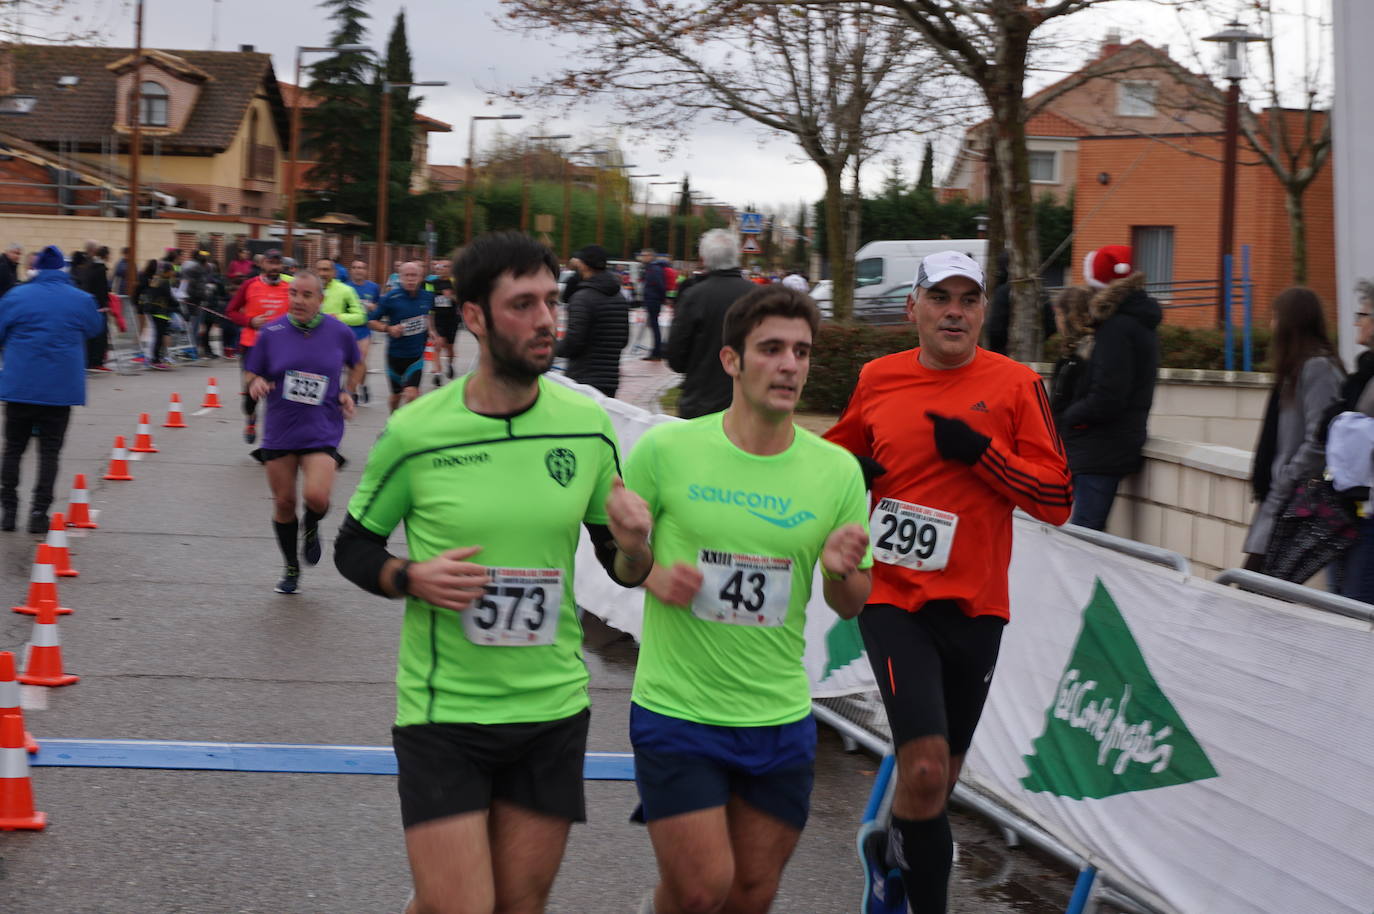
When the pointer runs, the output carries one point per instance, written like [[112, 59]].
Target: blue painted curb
[[262, 757]]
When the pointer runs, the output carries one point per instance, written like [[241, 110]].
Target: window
[[1044, 166], [868, 271], [152, 105], [1153, 249], [1135, 98]]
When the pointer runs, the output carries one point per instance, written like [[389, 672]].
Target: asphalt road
[[178, 635]]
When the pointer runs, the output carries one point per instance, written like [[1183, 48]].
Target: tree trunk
[[836, 244], [997, 228], [1297, 233], [1004, 97]]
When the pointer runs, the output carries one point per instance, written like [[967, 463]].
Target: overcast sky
[[457, 41]]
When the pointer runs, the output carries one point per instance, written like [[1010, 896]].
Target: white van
[[885, 270]]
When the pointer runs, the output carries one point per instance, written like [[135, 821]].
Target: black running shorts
[[446, 323], [934, 668], [449, 769]]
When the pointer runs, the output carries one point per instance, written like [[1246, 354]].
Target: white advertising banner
[[1211, 747], [834, 658]]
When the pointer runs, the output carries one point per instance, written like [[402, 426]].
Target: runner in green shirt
[[744, 505], [493, 476]]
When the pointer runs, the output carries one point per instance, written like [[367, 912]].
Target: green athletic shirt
[[707, 494], [519, 487]]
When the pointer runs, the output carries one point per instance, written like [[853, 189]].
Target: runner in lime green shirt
[[494, 476], [745, 505]]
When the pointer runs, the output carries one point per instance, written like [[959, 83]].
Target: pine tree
[[397, 68], [340, 132], [927, 180], [684, 200]]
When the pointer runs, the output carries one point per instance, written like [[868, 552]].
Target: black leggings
[[162, 326], [23, 421]]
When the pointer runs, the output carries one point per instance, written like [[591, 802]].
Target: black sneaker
[[250, 433], [438, 379], [884, 892], [38, 522], [312, 550], [450, 371], [9, 520], [291, 582]]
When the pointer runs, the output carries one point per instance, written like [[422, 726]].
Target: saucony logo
[[800, 517]]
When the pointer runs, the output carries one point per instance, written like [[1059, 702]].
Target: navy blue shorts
[[682, 766], [404, 371]]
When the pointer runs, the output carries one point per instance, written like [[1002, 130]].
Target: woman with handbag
[[1307, 380]]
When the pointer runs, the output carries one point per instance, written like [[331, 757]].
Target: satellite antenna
[[214, 25]]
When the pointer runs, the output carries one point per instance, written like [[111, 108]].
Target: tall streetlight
[[600, 192], [384, 169], [1233, 38], [566, 251], [290, 241], [625, 215], [472, 187], [525, 181]]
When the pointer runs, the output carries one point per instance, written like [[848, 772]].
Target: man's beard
[[510, 365]]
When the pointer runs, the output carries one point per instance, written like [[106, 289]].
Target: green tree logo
[[1110, 728]]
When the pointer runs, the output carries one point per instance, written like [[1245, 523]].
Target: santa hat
[[1105, 264]]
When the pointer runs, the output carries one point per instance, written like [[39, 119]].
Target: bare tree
[[838, 79], [45, 21]]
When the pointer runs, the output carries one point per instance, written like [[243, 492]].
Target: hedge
[[841, 350]]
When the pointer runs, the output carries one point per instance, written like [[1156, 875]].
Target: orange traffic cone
[[42, 586], [16, 790], [430, 365], [43, 664], [79, 506], [9, 696], [57, 544], [211, 396], [143, 441], [174, 413], [119, 461]]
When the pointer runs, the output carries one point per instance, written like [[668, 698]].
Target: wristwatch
[[829, 575], [400, 579]]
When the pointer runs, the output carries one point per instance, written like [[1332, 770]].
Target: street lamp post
[[290, 240], [525, 181], [467, 170], [625, 215], [384, 170], [600, 193], [670, 214], [1233, 38]]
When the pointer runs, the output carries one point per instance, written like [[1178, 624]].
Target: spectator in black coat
[[90, 274], [1104, 425], [694, 344], [653, 289], [598, 324]]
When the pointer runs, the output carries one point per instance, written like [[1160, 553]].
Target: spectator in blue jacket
[[654, 289], [44, 326]]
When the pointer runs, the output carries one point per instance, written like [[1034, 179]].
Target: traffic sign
[[750, 246], [750, 224]]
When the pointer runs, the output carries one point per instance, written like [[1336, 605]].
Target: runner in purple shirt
[[297, 366]]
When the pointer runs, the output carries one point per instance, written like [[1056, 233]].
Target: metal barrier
[[1254, 582], [1143, 551]]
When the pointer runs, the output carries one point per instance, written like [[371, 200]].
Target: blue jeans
[[1092, 499]]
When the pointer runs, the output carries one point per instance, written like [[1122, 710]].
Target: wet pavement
[[177, 635]]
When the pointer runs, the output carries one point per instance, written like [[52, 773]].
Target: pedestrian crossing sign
[[750, 223]]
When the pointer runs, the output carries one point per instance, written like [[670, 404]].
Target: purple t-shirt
[[305, 367]]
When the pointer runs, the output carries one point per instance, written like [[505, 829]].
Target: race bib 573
[[519, 608]]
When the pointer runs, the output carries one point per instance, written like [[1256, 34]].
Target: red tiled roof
[[1051, 123], [84, 114], [289, 93]]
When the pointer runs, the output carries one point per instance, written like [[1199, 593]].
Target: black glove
[[957, 441], [872, 469]]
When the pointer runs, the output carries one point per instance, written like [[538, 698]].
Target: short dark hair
[[488, 257], [776, 300]]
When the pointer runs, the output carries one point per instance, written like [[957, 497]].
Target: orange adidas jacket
[[1023, 467]]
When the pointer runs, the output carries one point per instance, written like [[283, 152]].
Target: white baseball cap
[[942, 265]]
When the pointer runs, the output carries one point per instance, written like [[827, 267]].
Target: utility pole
[[135, 147]]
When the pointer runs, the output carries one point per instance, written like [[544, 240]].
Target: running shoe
[[291, 581], [38, 522], [250, 433], [9, 520], [438, 380], [161, 366], [883, 889], [139, 358], [450, 371], [312, 550]]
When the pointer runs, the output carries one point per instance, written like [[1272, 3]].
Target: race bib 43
[[743, 589]]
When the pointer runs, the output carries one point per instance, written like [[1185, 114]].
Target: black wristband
[[400, 579]]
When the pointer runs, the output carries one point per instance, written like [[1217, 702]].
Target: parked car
[[884, 271], [823, 295]]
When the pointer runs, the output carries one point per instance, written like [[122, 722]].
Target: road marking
[[262, 757]]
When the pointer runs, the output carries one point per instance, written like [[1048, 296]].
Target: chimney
[[246, 49], [1111, 43]]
